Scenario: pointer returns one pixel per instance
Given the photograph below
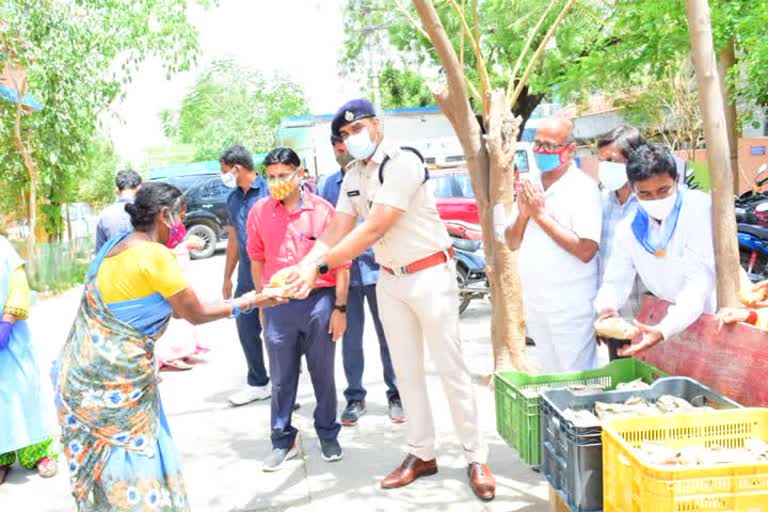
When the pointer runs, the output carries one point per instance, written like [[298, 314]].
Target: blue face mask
[[547, 162]]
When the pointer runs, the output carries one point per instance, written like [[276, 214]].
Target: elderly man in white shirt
[[556, 224], [667, 243]]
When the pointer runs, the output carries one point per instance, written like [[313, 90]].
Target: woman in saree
[[114, 433], [23, 429]]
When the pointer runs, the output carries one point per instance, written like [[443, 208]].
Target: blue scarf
[[641, 224]]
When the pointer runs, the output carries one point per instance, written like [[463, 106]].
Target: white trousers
[[422, 309], [565, 339]]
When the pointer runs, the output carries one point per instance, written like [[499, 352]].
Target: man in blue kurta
[[248, 187], [363, 277]]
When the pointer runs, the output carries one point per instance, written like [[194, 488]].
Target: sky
[[298, 38]]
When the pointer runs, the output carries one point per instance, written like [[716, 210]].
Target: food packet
[[615, 328], [634, 385], [278, 281], [582, 418], [751, 298], [585, 388]]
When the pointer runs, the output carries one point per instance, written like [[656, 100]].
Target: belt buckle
[[400, 271]]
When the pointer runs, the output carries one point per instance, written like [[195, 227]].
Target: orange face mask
[[280, 188]]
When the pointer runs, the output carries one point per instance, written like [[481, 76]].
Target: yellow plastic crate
[[631, 485]]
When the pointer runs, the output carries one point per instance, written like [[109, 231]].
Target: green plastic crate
[[517, 399]]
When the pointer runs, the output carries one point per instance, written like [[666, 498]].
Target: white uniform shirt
[[685, 276], [552, 277], [419, 232]]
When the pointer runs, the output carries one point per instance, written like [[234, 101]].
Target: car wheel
[[208, 236], [465, 298]]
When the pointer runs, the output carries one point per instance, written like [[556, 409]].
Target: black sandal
[[4, 470]]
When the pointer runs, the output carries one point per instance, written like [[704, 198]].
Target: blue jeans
[[249, 331], [352, 344], [292, 329]]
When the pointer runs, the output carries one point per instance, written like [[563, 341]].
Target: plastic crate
[[632, 485], [517, 398], [580, 449]]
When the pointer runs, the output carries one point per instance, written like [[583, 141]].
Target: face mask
[[176, 235], [547, 162], [659, 209], [344, 159], [360, 145], [280, 188], [613, 175], [229, 179]]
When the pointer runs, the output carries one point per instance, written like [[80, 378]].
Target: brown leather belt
[[430, 261]]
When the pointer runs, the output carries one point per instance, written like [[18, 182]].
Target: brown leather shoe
[[481, 481], [411, 469]]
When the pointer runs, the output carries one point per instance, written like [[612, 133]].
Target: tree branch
[[461, 41], [525, 49], [539, 51], [485, 81], [411, 19]]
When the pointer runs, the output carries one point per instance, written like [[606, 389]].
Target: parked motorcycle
[[753, 251], [470, 262]]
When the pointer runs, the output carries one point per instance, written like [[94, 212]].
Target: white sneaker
[[250, 394]]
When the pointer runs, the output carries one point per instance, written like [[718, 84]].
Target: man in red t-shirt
[[282, 229]]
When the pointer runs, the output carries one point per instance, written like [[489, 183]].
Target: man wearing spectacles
[[556, 224]]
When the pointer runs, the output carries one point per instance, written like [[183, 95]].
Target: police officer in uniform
[[417, 292], [364, 274]]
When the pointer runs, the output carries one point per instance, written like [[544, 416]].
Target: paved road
[[222, 447]]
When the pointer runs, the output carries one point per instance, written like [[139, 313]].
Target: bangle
[[235, 308], [250, 308], [752, 317]]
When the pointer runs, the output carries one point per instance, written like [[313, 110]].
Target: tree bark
[[508, 320], [718, 154], [727, 62], [21, 88], [490, 186]]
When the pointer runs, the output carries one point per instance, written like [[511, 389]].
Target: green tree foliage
[[603, 45], [504, 27], [400, 89], [96, 185], [643, 41], [80, 56], [232, 105]]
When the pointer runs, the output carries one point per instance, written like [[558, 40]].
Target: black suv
[[207, 214]]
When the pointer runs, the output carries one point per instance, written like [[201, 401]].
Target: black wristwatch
[[322, 268], [341, 308]]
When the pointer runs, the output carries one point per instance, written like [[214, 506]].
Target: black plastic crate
[[572, 457]]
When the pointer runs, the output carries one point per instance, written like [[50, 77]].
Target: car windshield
[[453, 185], [187, 182]]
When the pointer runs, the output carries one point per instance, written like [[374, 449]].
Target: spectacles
[[284, 179], [547, 147]]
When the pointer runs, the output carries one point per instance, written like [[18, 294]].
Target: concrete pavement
[[222, 447]]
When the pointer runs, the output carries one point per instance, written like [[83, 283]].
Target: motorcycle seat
[[757, 231]]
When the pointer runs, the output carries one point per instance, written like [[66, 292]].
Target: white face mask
[[360, 145], [613, 175], [659, 209], [229, 179]]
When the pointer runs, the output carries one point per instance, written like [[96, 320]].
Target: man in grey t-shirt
[[114, 219]]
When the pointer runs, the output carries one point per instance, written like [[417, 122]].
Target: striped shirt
[[613, 214]]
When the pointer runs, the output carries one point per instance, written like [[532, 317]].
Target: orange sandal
[[47, 467]]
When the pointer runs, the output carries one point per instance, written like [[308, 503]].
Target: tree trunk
[[508, 321], [507, 324], [718, 155], [727, 62], [28, 163]]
